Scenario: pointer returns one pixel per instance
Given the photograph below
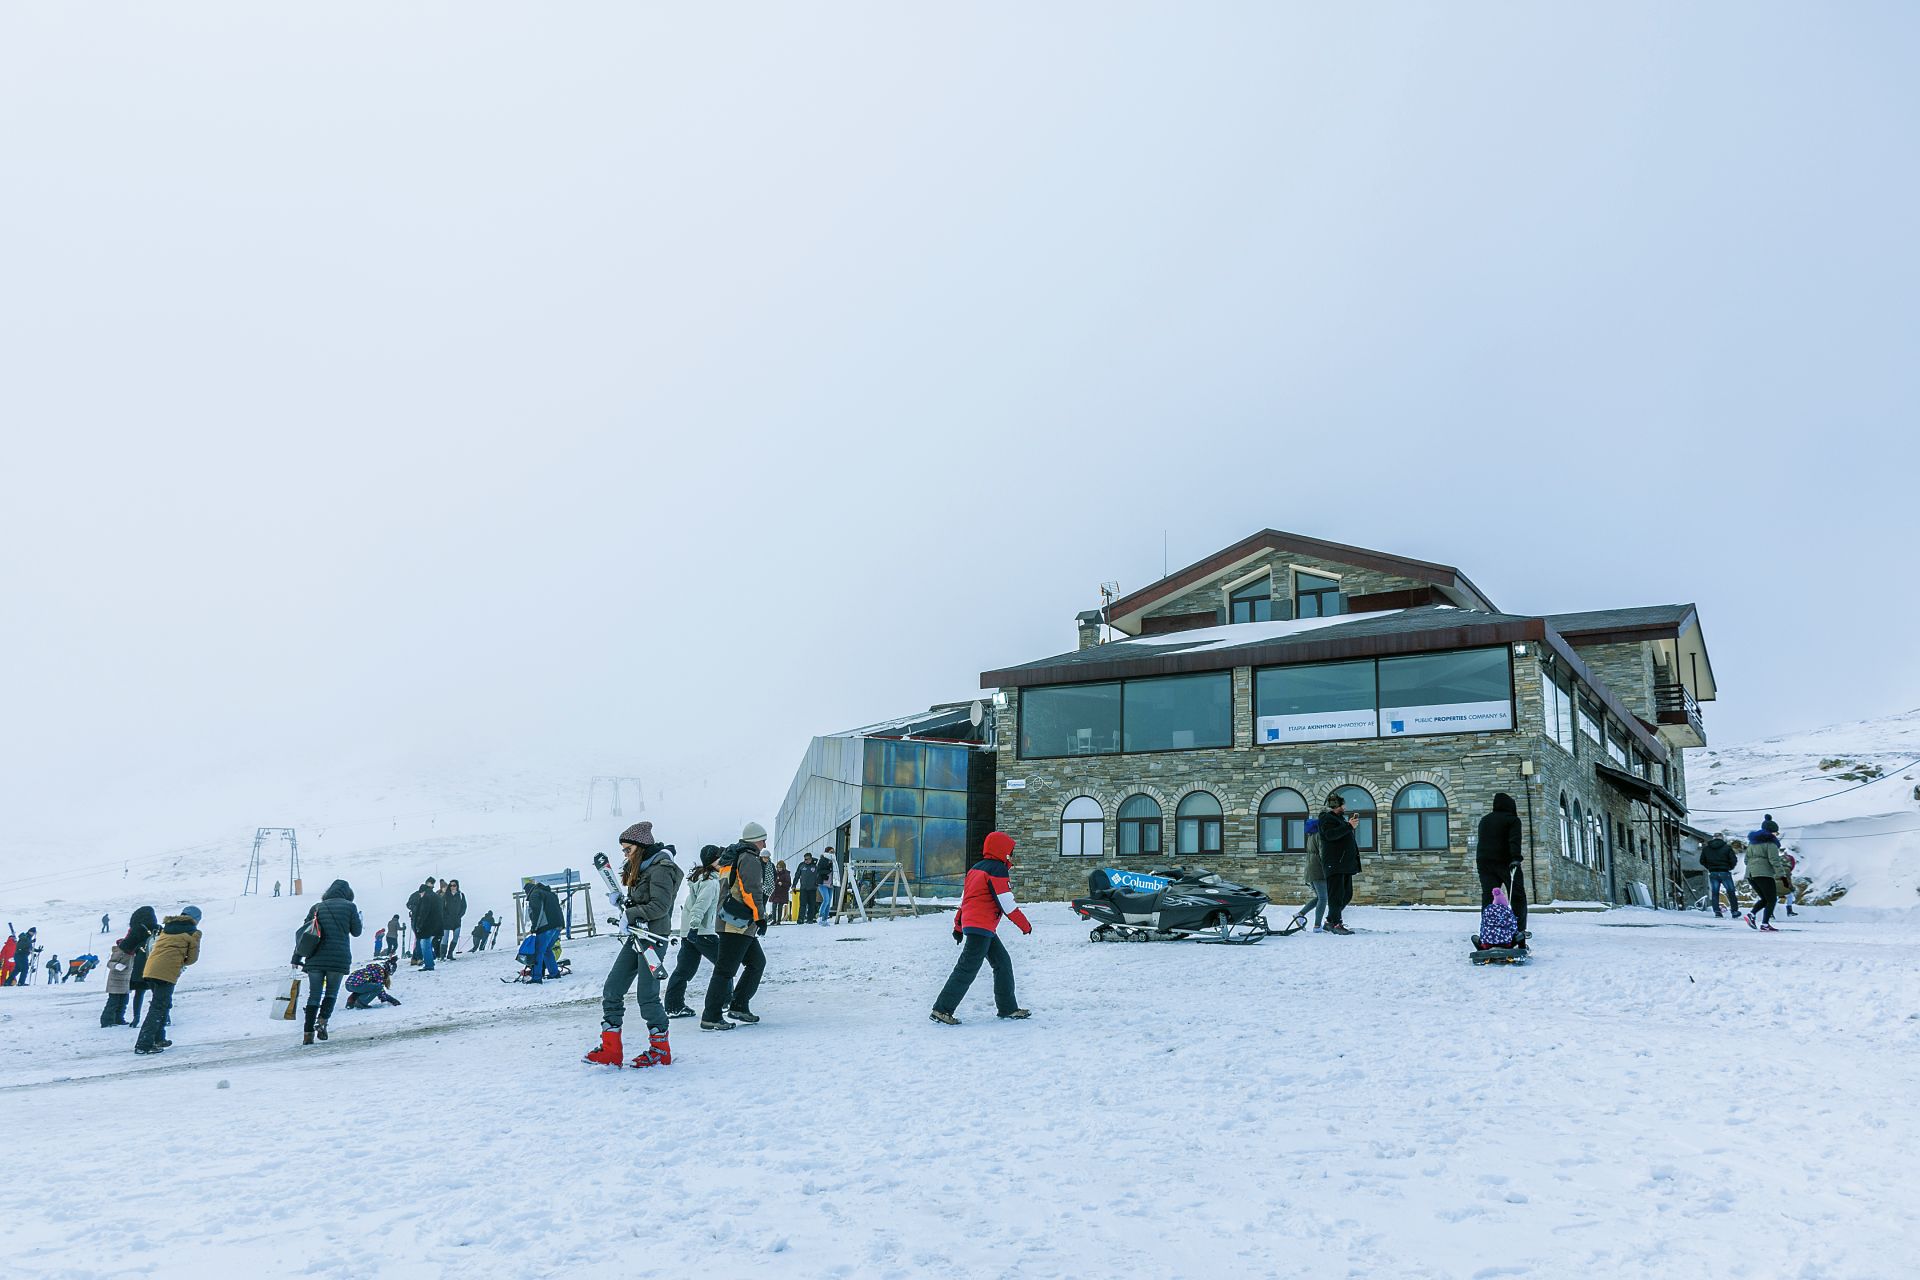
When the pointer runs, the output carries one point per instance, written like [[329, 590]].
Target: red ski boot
[[657, 1054], [609, 1053]]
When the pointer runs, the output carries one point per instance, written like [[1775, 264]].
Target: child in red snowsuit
[[986, 898]]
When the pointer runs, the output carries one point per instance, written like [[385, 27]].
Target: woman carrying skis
[[651, 879], [985, 899]]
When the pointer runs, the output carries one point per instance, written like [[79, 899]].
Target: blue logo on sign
[[1399, 726]]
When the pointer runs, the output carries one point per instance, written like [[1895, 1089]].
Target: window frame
[[1420, 815], [1253, 699], [1317, 594], [1217, 820], [1286, 821], [1372, 812], [1121, 822], [1121, 683], [1099, 823]]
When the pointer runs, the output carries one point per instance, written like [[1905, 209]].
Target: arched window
[[1283, 821], [1360, 812], [1566, 828], [1197, 824], [1419, 818], [1139, 826], [1579, 850], [1082, 828]]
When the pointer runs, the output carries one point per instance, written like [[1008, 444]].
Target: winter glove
[[762, 930], [957, 937]]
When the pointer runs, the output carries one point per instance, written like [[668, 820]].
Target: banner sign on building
[[1321, 726], [1454, 717]]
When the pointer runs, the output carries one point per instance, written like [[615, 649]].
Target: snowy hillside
[[1844, 796]]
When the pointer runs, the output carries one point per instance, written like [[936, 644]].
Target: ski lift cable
[[1816, 799]]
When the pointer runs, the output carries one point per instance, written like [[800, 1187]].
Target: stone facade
[[1279, 565]]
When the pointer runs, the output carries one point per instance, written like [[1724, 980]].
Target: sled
[[283, 1011], [1501, 955]]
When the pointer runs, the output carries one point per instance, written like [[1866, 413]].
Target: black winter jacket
[[424, 906], [339, 922], [453, 906], [140, 930], [1502, 840], [1339, 846], [1718, 855], [543, 908]]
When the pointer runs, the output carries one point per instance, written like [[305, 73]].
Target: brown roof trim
[[1276, 540]]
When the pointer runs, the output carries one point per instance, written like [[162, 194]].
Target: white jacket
[[703, 903]]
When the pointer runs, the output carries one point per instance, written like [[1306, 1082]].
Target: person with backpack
[[23, 951], [743, 905], [986, 898], [176, 947], [1765, 866], [425, 909], [651, 879], [1500, 858], [324, 948], [1717, 859], [1316, 876], [699, 932], [1340, 848], [545, 919], [481, 931]]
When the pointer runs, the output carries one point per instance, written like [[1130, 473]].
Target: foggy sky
[[666, 384]]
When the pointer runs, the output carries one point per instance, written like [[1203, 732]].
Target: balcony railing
[[1678, 710]]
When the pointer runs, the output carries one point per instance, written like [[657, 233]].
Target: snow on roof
[[1238, 633]]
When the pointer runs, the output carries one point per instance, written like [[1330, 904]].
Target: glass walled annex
[[926, 802]]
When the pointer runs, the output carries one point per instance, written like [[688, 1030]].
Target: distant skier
[[368, 984], [482, 932], [177, 947], [1765, 866], [276, 888], [743, 905], [103, 923], [7, 949], [986, 897], [393, 934], [23, 950], [53, 970], [699, 938], [337, 921], [1500, 857], [1718, 859], [1340, 847], [651, 879]]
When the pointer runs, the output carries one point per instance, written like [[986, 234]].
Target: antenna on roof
[[1163, 553], [1109, 592]]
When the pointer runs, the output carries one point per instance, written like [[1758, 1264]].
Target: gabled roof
[[1679, 623], [1224, 562]]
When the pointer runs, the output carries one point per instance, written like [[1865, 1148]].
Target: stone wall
[[1213, 595], [1626, 669]]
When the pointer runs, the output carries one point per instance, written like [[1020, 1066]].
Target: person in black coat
[[425, 908], [141, 927], [1718, 860], [1340, 850], [1499, 857], [453, 909], [338, 922]]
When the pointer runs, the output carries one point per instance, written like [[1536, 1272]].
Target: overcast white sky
[[670, 383]]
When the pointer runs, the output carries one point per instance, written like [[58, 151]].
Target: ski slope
[[1864, 841], [1629, 1105]]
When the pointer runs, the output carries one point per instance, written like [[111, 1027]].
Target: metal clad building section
[[824, 794]]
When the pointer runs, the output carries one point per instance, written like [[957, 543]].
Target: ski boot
[[609, 1053], [657, 1054]]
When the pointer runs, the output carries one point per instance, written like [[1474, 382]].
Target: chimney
[[1089, 628]]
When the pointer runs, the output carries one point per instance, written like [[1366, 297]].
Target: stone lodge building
[[1242, 691]]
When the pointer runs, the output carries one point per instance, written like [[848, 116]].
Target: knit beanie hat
[[753, 831], [191, 913], [640, 833]]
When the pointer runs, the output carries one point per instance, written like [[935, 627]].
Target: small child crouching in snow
[[1498, 927], [369, 983]]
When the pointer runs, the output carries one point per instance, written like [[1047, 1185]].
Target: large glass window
[[946, 768], [1082, 828], [1579, 851], [1251, 603], [1590, 717], [1283, 821], [1566, 828], [1315, 702], [1138, 831], [1070, 720], [1315, 596], [1176, 713], [1561, 691], [1361, 813], [1464, 691], [1197, 824], [1617, 744], [1419, 818]]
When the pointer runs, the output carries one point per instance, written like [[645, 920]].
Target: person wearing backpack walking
[[324, 948], [651, 879], [699, 932], [743, 905], [986, 898], [1718, 859]]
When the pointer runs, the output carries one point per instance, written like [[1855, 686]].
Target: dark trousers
[[331, 981], [809, 905], [629, 971], [1339, 894], [978, 947], [115, 1014], [738, 951], [160, 999], [693, 948], [1768, 888], [1516, 893]]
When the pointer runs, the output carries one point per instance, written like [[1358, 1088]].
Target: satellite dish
[[977, 712]]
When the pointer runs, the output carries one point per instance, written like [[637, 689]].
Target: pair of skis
[[651, 946]]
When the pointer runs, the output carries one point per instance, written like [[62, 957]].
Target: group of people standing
[[146, 963], [1769, 871], [811, 883], [436, 915]]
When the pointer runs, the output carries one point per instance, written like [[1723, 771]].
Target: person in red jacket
[[986, 899]]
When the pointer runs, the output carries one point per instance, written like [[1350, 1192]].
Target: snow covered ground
[[1657, 1095]]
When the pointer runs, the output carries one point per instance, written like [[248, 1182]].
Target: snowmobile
[[1171, 905]]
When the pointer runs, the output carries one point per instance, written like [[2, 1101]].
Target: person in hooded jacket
[[142, 925], [425, 909], [741, 913], [1500, 857], [24, 946], [368, 984], [1717, 859], [699, 932], [338, 922], [986, 898], [453, 909], [651, 879], [545, 920], [176, 947], [1765, 865], [1340, 849]]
